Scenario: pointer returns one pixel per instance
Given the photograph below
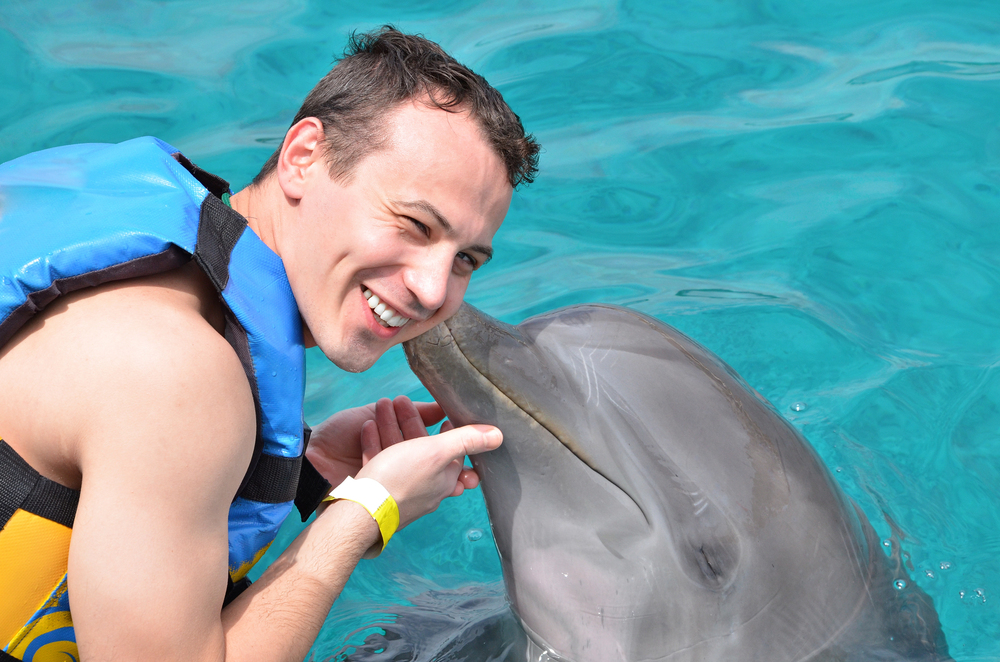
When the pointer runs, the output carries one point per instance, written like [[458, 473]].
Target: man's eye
[[426, 231], [467, 261]]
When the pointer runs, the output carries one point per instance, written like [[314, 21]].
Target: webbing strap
[[219, 229], [282, 479], [23, 487], [269, 478], [312, 489], [16, 481], [275, 479]]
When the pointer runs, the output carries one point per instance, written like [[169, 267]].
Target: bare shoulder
[[120, 367]]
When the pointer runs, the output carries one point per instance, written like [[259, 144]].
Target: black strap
[[275, 479], [216, 185], [219, 228], [312, 488], [280, 479], [16, 481], [234, 589], [21, 487], [7, 657]]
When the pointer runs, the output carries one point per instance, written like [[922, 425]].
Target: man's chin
[[353, 363], [354, 356]]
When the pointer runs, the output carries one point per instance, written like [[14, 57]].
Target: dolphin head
[[646, 502]]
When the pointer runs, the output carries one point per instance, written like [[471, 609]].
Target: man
[[142, 390]]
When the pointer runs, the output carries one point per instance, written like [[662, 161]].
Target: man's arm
[[279, 616], [166, 431]]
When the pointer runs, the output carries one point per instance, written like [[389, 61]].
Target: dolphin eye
[[715, 561], [708, 566]]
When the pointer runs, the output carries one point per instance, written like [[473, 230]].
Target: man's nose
[[428, 280]]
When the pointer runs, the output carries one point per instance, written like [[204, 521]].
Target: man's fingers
[[430, 412], [410, 421], [370, 442], [469, 440], [469, 478], [388, 426]]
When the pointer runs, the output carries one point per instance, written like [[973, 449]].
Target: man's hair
[[382, 69]]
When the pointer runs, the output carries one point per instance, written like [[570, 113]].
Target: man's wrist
[[351, 525], [376, 501]]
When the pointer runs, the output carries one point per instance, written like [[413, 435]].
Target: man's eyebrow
[[428, 208]]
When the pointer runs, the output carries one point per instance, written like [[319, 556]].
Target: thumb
[[470, 440]]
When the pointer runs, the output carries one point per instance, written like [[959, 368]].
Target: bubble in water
[[900, 584], [981, 594], [929, 573], [799, 406], [274, 373], [887, 543], [839, 469], [945, 565], [474, 534]]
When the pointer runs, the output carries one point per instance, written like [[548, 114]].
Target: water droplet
[[945, 565], [961, 595], [887, 543], [839, 469], [799, 406], [474, 534], [900, 584], [274, 373]]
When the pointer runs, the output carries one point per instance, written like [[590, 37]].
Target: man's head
[[379, 71], [387, 191]]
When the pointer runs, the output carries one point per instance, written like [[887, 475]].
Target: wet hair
[[382, 69]]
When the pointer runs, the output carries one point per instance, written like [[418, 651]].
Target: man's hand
[[337, 448], [418, 473]]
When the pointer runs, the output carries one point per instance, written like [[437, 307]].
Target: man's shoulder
[[134, 357], [170, 323]]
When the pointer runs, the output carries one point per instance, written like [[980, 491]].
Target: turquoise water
[[810, 189]]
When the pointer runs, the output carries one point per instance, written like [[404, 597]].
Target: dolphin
[[647, 504]]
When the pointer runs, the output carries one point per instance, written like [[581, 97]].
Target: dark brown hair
[[384, 68]]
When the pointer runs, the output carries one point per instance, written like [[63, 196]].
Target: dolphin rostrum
[[647, 504]]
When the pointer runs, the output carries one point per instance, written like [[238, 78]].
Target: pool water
[[809, 189]]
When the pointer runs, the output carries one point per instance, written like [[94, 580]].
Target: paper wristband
[[375, 499]]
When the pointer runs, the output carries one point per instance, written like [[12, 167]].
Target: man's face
[[402, 235]]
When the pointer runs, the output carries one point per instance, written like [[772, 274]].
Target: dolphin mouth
[[444, 335]]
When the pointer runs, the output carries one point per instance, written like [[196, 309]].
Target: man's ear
[[301, 150]]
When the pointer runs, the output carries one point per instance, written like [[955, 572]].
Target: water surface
[[811, 190]]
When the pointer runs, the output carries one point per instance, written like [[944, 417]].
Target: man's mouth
[[384, 315]]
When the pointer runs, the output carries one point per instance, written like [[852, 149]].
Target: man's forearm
[[280, 615]]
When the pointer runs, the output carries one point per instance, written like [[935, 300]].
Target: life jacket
[[82, 215]]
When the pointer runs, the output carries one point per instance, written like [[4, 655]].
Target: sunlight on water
[[811, 190]]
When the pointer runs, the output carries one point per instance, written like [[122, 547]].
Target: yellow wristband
[[375, 499]]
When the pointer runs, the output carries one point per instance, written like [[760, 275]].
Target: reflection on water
[[810, 190]]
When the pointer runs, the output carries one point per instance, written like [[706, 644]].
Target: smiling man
[[151, 361]]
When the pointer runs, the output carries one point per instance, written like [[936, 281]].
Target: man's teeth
[[385, 315]]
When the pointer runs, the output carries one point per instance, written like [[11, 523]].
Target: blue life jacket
[[82, 215]]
